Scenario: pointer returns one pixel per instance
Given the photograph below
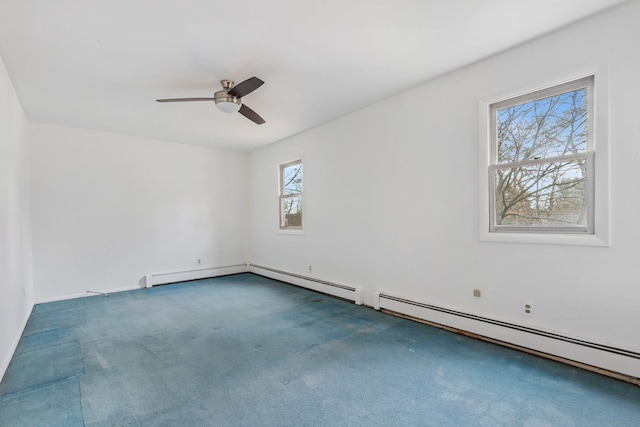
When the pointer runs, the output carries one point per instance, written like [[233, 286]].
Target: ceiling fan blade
[[251, 115], [246, 87], [184, 99]]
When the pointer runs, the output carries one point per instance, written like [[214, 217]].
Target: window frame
[[597, 153], [282, 196], [588, 155]]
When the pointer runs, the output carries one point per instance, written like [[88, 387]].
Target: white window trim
[[291, 231], [583, 83], [601, 228]]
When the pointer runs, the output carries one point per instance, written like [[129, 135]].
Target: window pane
[[291, 212], [292, 179], [546, 127], [548, 194]]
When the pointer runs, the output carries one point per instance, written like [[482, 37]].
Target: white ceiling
[[101, 64]]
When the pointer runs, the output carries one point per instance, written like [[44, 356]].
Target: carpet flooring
[[245, 350]]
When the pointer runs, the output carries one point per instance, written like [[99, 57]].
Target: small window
[[291, 195], [542, 161]]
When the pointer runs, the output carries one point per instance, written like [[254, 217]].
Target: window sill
[[291, 232], [547, 238]]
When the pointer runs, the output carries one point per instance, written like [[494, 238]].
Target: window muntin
[[541, 174], [291, 195]]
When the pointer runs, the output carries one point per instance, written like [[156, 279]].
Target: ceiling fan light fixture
[[228, 106], [227, 103]]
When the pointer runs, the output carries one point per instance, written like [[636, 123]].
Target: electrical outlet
[[199, 261], [527, 308], [309, 268]]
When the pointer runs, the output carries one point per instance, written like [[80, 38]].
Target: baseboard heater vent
[[193, 274], [343, 291], [623, 352]]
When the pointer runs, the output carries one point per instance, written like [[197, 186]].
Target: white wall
[[16, 287], [108, 209], [391, 196]]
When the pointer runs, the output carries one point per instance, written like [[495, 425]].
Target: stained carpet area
[[244, 350]]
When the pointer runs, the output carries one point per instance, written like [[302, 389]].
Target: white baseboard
[[194, 274], [351, 293], [586, 354], [156, 279], [14, 344]]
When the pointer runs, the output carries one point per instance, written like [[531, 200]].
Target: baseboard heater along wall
[[193, 274], [613, 361], [341, 291], [350, 293]]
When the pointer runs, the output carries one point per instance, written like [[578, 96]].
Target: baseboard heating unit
[[350, 293], [610, 360], [193, 274]]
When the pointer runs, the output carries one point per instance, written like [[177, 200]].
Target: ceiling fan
[[229, 99]]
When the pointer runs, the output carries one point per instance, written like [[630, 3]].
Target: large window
[[541, 171], [291, 195]]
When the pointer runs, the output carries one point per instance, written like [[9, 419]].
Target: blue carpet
[[244, 350]]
